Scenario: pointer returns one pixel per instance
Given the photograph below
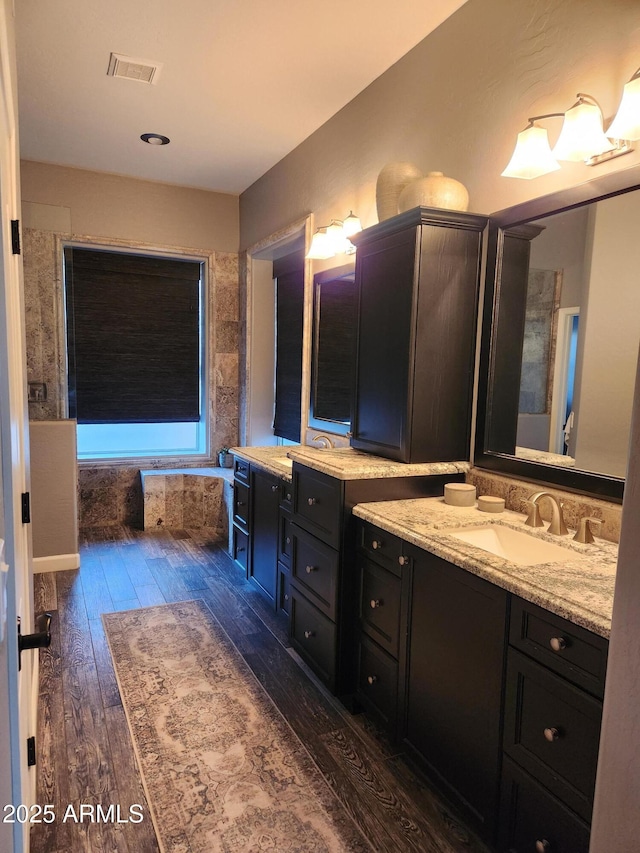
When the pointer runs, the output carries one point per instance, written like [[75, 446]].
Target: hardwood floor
[[84, 748]]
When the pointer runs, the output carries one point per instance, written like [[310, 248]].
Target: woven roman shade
[[133, 337], [289, 275]]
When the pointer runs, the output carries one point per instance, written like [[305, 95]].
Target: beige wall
[[125, 208], [455, 103]]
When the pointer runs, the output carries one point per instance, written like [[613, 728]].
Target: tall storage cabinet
[[417, 282]]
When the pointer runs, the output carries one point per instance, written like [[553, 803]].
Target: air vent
[[142, 70]]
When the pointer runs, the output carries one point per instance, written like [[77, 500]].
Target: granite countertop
[[273, 459], [580, 588]]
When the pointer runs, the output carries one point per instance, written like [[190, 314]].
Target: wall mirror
[[333, 349], [561, 333]]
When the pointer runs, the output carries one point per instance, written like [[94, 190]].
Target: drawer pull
[[543, 846], [311, 501], [551, 734], [240, 550], [371, 679], [242, 503], [404, 561], [286, 596], [308, 635], [274, 488], [558, 644], [375, 602], [288, 540], [309, 569], [376, 544]]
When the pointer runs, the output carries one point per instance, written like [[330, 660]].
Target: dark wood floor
[[84, 748]]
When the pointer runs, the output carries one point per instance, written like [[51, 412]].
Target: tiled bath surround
[[111, 494], [517, 492]]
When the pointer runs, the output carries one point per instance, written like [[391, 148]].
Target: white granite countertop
[[343, 463], [580, 588], [273, 460]]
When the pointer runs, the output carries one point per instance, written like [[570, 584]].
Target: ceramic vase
[[434, 190], [392, 180]]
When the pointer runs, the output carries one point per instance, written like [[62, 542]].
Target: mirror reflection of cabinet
[[555, 400], [334, 327]]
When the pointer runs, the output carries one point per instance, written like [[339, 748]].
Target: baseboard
[[57, 563]]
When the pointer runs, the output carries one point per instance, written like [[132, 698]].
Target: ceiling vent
[[142, 70]]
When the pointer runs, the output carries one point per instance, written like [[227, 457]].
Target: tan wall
[[455, 103], [129, 209]]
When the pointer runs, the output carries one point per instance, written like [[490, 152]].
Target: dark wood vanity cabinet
[[553, 710], [261, 536], [498, 700], [417, 282]]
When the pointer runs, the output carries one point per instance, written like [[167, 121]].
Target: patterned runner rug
[[222, 770]]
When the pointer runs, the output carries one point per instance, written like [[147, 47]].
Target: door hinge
[[31, 751], [15, 236], [26, 508]]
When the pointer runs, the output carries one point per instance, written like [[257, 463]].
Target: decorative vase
[[393, 178], [434, 190], [225, 460]]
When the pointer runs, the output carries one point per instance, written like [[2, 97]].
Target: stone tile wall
[[517, 492], [111, 493]]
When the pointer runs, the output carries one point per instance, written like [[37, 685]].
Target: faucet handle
[[533, 519], [584, 533]]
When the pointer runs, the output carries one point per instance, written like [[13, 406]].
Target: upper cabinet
[[417, 282]]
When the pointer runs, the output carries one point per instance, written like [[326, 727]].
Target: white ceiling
[[243, 81]]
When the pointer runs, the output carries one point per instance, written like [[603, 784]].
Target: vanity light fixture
[[582, 137], [626, 124], [333, 239]]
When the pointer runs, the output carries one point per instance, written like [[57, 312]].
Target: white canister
[[459, 494]]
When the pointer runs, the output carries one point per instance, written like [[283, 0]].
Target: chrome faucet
[[557, 525], [326, 441]]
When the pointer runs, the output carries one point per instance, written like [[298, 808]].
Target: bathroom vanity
[[490, 672]]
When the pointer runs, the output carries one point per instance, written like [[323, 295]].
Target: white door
[[18, 690]]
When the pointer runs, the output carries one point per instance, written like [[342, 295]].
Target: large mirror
[[333, 349], [561, 336]]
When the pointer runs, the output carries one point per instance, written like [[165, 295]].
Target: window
[[135, 353]]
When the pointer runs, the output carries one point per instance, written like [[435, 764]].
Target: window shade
[[133, 337], [289, 275]]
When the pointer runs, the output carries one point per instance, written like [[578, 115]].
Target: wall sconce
[[582, 136], [333, 239]]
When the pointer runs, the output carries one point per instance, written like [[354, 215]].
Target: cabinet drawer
[[380, 605], [284, 593], [566, 648], [531, 816], [240, 547], [241, 469], [284, 538], [383, 547], [552, 729], [314, 636], [241, 505], [378, 681], [314, 569], [317, 504]]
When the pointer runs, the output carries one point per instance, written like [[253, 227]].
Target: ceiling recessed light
[[155, 139]]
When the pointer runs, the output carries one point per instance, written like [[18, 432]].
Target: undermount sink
[[513, 545]]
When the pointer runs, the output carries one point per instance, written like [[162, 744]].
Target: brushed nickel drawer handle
[[286, 596], [311, 501], [404, 561], [558, 644], [309, 569], [371, 679], [376, 544], [288, 540], [551, 734], [375, 602], [543, 846], [274, 488], [308, 635]]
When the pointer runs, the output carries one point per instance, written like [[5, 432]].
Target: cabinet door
[[385, 287], [454, 681], [265, 497]]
